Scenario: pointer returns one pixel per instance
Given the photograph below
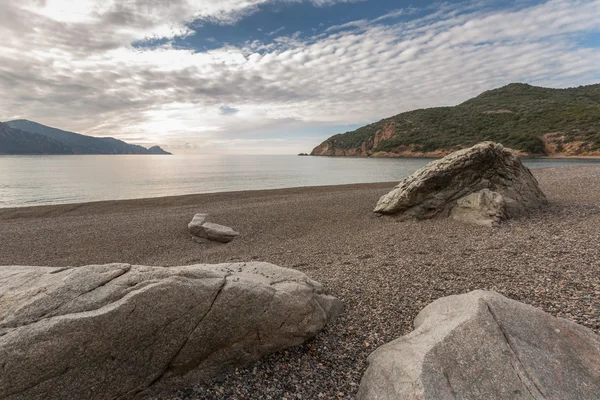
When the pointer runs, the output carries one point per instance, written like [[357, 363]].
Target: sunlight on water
[[38, 180]]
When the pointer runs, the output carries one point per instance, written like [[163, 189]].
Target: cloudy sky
[[275, 76]]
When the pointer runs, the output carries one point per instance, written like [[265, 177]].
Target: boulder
[[483, 184], [481, 345], [199, 228], [126, 331]]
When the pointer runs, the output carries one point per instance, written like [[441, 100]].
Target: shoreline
[[186, 198], [550, 157], [384, 270], [236, 192]]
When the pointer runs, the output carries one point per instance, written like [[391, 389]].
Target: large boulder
[[127, 331], [481, 345], [483, 184]]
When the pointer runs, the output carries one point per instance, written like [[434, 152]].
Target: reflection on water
[[37, 180]]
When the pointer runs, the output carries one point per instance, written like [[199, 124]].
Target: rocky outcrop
[[483, 184], [482, 345], [333, 147], [385, 133], [203, 230], [121, 331], [329, 149]]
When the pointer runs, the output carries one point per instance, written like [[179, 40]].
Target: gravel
[[385, 271]]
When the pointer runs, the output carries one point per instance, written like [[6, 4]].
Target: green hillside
[[531, 119]]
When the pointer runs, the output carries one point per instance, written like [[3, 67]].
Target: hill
[[36, 138], [15, 141], [533, 120]]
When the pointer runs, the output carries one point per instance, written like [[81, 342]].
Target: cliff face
[[531, 120]]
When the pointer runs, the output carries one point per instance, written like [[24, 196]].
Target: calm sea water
[[39, 180]]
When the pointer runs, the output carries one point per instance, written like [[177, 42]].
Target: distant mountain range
[[532, 120], [27, 137]]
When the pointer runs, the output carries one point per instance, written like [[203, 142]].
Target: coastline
[[571, 157], [54, 189], [179, 200], [385, 271], [441, 155]]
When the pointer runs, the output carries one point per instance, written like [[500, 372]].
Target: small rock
[[219, 233], [203, 230]]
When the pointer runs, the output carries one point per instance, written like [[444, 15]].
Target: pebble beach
[[384, 270]]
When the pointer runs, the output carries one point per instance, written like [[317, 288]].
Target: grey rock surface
[[484, 208], [195, 225], [435, 189], [481, 345], [123, 331], [200, 228], [218, 233]]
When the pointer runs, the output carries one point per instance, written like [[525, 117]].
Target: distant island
[[28, 137], [534, 121]]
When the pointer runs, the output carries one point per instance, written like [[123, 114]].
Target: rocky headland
[[533, 121]]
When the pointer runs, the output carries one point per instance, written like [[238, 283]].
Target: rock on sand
[[481, 345], [210, 231], [484, 185], [126, 331]]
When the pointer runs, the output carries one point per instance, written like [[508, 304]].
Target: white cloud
[[79, 71]]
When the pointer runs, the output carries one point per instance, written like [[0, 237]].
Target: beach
[[384, 270]]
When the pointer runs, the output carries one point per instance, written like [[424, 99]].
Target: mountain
[[532, 120], [15, 141], [70, 142]]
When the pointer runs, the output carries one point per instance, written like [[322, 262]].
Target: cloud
[[395, 14], [276, 31], [225, 110], [80, 72]]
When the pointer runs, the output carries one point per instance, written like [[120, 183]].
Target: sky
[[275, 76]]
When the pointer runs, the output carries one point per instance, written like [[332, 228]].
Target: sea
[[43, 180]]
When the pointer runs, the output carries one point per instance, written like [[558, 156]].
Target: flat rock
[[481, 345], [218, 233], [437, 189], [123, 331]]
